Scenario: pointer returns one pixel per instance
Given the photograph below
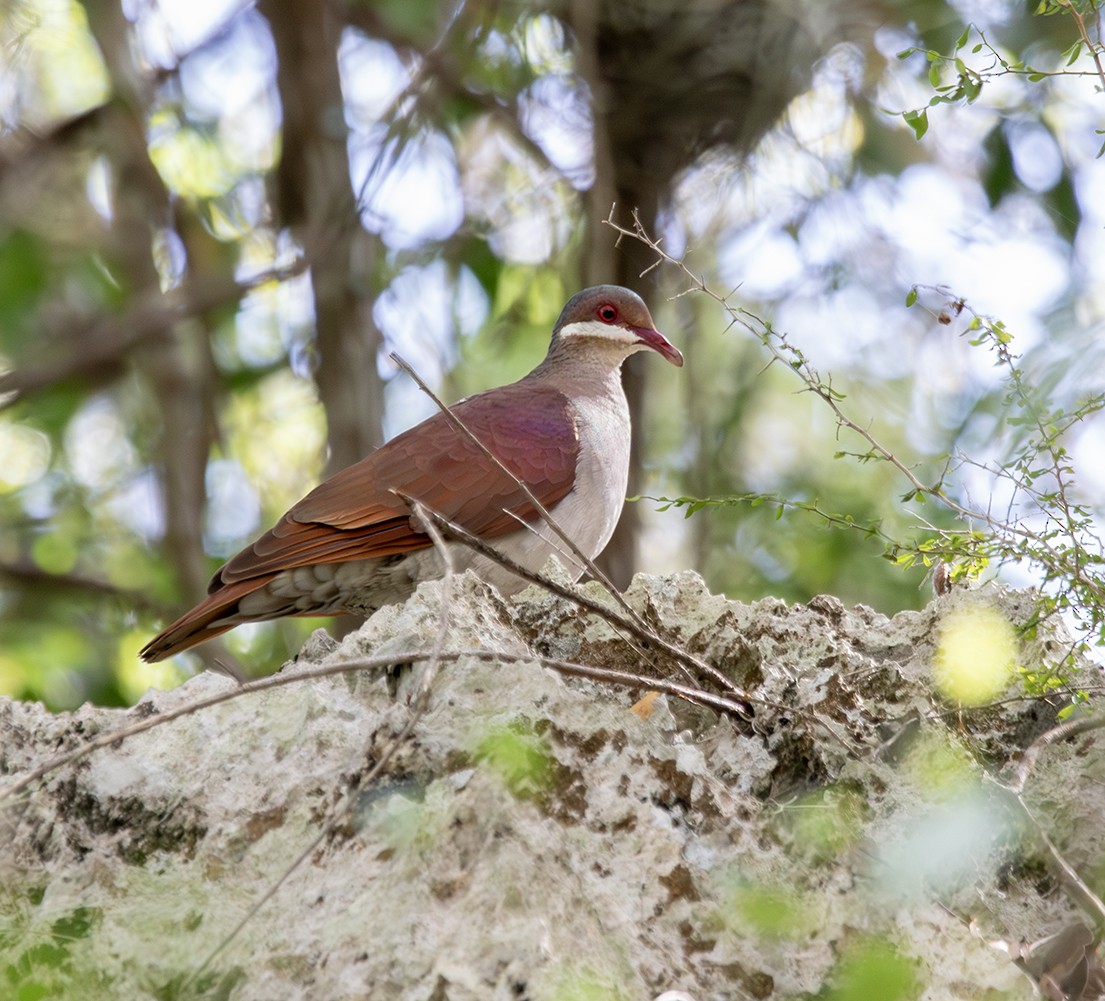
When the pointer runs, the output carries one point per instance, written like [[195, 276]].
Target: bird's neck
[[581, 369]]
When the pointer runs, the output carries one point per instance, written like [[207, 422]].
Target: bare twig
[[435, 71], [1094, 50], [635, 627], [624, 679], [434, 662], [583, 558], [1064, 731], [1069, 875], [167, 716], [782, 352]]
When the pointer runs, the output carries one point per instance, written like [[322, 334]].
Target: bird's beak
[[660, 344]]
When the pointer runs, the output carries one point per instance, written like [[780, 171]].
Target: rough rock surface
[[532, 838]]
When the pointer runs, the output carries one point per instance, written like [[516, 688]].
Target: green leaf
[[408, 18], [962, 39], [518, 756], [918, 121], [1064, 207], [911, 297]]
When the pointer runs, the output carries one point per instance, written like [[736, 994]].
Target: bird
[[355, 542]]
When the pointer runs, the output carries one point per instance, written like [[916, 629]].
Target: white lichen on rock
[[681, 852]]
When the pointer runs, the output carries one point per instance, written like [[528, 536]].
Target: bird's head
[[614, 315]]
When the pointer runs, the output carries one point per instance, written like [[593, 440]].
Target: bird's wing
[[356, 514]]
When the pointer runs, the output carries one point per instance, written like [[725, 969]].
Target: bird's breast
[[592, 508]]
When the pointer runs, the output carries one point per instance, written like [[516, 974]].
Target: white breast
[[590, 511]]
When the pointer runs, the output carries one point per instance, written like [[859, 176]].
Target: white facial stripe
[[593, 328]]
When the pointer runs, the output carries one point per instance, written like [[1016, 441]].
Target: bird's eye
[[607, 313]]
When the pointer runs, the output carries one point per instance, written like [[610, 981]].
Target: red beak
[[660, 344]]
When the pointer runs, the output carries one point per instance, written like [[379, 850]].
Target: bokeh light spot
[[975, 655]]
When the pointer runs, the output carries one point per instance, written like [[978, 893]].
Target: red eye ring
[[607, 313]]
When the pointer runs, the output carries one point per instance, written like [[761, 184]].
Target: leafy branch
[[1043, 526], [955, 81], [944, 548]]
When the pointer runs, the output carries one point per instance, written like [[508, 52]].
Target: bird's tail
[[217, 613]]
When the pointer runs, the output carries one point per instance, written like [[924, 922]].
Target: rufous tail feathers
[[195, 626]]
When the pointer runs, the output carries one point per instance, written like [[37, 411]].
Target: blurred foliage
[[517, 756], [587, 985], [159, 303], [44, 968], [769, 912], [823, 824], [873, 968]]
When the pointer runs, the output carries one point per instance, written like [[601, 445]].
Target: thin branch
[[435, 67], [1093, 49], [782, 352], [108, 340], [635, 627], [432, 665], [540, 508], [1031, 755], [624, 679], [1089, 900]]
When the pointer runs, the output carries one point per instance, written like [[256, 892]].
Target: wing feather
[[356, 515]]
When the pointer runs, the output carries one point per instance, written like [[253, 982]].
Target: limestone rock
[[533, 838]]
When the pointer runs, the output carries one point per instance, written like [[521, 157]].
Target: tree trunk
[[315, 199], [669, 81]]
